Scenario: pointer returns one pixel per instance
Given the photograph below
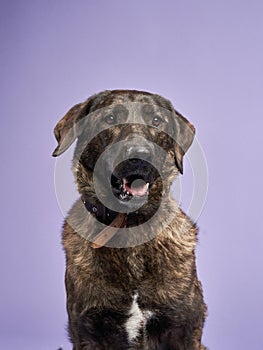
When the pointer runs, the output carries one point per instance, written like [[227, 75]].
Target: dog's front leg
[[165, 332], [102, 329]]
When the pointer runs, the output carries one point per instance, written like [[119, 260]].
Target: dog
[[131, 278]]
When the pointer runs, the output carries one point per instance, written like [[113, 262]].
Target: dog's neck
[[113, 221], [107, 216]]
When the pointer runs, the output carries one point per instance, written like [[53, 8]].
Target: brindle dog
[[131, 276]]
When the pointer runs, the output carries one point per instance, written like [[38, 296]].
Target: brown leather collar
[[112, 219], [108, 232]]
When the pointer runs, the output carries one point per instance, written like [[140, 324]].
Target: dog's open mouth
[[135, 186], [133, 180], [130, 186]]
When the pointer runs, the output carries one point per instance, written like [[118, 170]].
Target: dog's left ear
[[65, 130], [183, 136]]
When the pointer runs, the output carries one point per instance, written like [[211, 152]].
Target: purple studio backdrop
[[206, 57]]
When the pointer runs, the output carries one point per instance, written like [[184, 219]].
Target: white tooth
[[147, 185]]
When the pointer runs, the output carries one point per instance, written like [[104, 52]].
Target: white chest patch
[[136, 320]]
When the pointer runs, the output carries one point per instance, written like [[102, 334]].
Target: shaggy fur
[[146, 295]]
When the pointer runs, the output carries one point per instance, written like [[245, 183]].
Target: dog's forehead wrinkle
[[148, 109], [143, 106], [116, 96], [131, 110], [120, 110]]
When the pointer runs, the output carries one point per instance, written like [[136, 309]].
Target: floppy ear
[[65, 130], [184, 135]]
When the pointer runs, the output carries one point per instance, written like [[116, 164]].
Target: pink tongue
[[137, 188]]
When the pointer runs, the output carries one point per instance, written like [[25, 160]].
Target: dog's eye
[[156, 121], [110, 119]]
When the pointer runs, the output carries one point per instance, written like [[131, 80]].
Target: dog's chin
[[134, 203]]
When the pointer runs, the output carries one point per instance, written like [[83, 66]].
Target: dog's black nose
[[135, 152]]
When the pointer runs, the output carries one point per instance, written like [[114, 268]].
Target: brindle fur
[[100, 283]]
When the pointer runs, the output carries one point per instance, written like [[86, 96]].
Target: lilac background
[[206, 56]]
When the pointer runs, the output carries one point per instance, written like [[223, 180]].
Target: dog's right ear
[[65, 130]]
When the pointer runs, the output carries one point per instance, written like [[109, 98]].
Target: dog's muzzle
[[133, 176]]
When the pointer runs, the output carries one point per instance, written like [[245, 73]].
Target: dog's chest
[[125, 265]]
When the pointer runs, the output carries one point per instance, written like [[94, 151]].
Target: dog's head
[[129, 141]]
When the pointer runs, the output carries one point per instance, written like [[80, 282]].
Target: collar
[[100, 212], [112, 219]]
